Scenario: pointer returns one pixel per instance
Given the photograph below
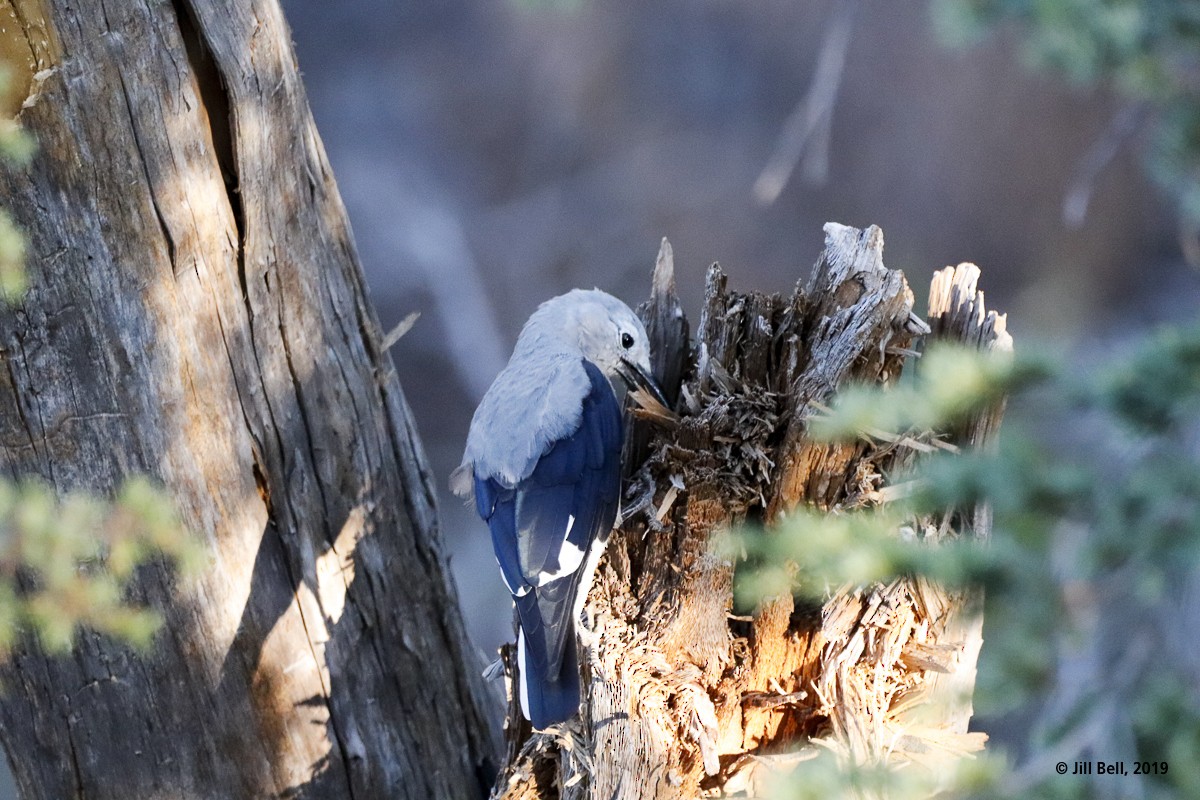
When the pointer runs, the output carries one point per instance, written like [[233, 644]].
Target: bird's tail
[[548, 699]]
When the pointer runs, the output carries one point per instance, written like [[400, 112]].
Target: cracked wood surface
[[686, 699], [197, 313]]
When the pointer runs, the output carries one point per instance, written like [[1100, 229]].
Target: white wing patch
[[524, 673], [589, 572], [569, 558]]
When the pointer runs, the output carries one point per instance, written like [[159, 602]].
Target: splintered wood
[[685, 699]]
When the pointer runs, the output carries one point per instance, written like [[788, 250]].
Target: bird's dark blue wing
[[543, 530]]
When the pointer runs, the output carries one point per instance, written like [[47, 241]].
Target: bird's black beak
[[636, 378]]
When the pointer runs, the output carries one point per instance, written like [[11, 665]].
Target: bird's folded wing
[[543, 527]]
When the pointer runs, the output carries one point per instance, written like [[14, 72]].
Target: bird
[[543, 463]]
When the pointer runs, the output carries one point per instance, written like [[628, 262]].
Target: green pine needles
[[1091, 573]]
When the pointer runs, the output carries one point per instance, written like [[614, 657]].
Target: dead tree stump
[[685, 699]]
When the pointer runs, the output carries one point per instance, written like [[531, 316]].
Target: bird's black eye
[[626, 340]]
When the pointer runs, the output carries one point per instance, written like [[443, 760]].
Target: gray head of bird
[[604, 330]]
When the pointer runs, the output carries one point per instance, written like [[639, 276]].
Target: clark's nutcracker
[[543, 458]]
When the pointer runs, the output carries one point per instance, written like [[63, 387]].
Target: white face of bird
[[611, 335], [599, 328], [607, 333]]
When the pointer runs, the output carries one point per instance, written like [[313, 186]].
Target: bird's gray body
[[537, 398], [543, 462]]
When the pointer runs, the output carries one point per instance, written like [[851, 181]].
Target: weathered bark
[[684, 696], [197, 313]]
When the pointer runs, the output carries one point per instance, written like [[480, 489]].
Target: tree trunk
[[684, 696], [197, 313]]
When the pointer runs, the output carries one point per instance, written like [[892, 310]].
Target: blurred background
[[492, 155]]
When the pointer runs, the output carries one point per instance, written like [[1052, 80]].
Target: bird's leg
[[584, 617], [587, 637], [585, 622]]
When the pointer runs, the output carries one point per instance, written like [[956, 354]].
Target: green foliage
[[69, 562], [952, 383], [12, 260], [1147, 51], [1093, 541], [1158, 391]]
